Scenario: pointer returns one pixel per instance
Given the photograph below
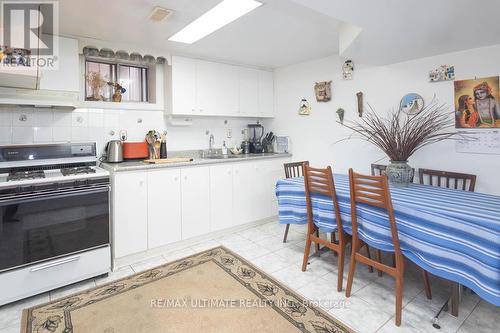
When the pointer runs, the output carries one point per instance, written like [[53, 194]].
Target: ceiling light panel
[[224, 13]]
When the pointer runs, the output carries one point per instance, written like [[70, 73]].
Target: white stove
[[54, 218]]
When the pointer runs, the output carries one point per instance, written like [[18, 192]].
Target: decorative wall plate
[[412, 103]]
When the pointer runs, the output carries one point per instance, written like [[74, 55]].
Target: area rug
[[212, 291]]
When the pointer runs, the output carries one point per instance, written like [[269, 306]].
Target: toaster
[[135, 150]]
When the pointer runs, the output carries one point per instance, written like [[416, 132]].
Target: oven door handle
[[54, 264], [20, 198]]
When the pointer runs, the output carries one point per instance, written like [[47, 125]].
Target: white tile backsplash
[[23, 118], [79, 134], [111, 118], [22, 134], [80, 118], [5, 118], [96, 118], [62, 134], [42, 134], [5, 135], [100, 125], [44, 118], [62, 118]]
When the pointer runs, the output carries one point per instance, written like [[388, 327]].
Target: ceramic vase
[[400, 174]]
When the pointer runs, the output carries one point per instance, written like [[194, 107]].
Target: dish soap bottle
[[224, 148]]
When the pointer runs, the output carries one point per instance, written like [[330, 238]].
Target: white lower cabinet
[[164, 207], [195, 198], [244, 183], [130, 207], [221, 197], [161, 206]]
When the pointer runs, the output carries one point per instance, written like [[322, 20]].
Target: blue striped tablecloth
[[450, 233]]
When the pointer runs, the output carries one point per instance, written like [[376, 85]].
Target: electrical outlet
[[123, 135], [229, 133]]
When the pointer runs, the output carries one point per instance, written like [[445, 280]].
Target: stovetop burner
[[77, 171], [25, 175]]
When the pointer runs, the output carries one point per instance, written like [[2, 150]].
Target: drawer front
[[35, 279]]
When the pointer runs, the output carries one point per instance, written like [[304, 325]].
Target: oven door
[[40, 226]]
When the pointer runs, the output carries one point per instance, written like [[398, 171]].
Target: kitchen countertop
[[140, 165]]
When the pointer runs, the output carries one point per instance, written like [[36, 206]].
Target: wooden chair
[[374, 191], [320, 181], [448, 179], [292, 170], [378, 169]]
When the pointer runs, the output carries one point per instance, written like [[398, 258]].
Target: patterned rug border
[[26, 313]]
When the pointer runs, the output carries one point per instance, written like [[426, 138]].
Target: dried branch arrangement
[[399, 134]]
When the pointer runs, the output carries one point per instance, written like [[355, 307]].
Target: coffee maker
[[255, 134]]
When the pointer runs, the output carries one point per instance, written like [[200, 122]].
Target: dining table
[[452, 234]]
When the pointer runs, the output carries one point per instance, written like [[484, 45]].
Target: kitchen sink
[[221, 157]]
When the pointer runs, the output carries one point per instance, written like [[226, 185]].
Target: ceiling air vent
[[159, 14]]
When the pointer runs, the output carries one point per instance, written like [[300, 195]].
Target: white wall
[[42, 126], [314, 137]]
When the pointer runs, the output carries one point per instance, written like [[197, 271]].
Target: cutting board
[[169, 160]]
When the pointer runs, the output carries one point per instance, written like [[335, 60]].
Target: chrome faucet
[[211, 143]]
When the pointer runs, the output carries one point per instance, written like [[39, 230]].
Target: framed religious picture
[[477, 103]]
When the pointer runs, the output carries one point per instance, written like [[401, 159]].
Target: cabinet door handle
[[228, 172], [185, 177], [201, 110], [176, 178]]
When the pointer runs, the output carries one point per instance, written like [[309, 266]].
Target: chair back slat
[[320, 181], [372, 191], [295, 169], [454, 180]]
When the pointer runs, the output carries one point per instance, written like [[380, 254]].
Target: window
[[133, 78]]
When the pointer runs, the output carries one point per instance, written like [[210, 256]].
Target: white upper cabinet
[[183, 85], [66, 76], [266, 94], [206, 88], [216, 89], [249, 91]]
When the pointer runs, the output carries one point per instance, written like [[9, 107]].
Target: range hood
[[39, 98], [27, 79]]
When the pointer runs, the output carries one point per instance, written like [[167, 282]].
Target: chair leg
[[316, 248], [399, 298], [370, 268], [378, 257], [352, 269], [306, 253], [333, 239], [340, 279], [427, 284], [286, 233]]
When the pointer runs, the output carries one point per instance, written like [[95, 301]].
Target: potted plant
[[400, 135]]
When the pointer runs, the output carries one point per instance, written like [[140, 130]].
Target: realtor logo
[[29, 34]]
